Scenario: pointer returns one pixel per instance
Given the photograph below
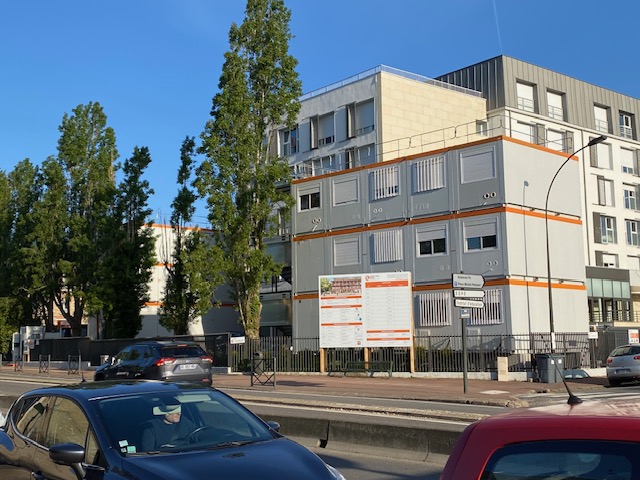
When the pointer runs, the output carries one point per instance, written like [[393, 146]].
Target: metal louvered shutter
[[435, 309], [346, 252], [429, 174], [345, 191], [476, 167], [387, 246]]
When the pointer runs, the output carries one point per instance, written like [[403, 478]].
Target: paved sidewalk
[[485, 392]]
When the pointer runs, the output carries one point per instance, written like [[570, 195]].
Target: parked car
[[623, 364], [99, 430], [594, 440], [172, 361]]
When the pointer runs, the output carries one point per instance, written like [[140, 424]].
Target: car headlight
[[336, 474]]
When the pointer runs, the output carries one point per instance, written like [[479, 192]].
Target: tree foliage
[[192, 265], [258, 91]]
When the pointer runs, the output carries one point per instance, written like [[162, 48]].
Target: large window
[[481, 236], [435, 309], [626, 125], [631, 197], [431, 242], [608, 229], [556, 140], [600, 156], [385, 182], [605, 191], [326, 133], [364, 117], [555, 105], [628, 161], [525, 132], [289, 142], [309, 199], [526, 99], [601, 115], [428, 174], [387, 246], [632, 232]]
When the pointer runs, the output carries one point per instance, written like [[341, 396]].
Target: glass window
[[481, 236], [608, 229], [626, 125], [588, 459], [555, 105], [627, 161], [432, 242], [632, 233], [30, 417], [631, 197], [67, 424], [525, 93], [309, 199], [602, 118]]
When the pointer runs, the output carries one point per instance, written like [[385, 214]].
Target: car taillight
[[637, 357], [206, 358], [165, 361]]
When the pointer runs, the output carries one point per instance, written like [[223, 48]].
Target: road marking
[[493, 392]]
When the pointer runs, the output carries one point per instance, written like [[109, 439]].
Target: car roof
[[167, 343], [87, 391]]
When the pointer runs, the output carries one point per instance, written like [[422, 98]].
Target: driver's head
[[171, 413]]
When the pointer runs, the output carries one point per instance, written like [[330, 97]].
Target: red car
[[594, 440]]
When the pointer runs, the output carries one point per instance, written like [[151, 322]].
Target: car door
[[67, 423], [18, 440], [121, 365]]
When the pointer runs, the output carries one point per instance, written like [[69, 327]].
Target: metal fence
[[431, 353]]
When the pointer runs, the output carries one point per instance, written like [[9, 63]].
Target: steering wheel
[[191, 437]]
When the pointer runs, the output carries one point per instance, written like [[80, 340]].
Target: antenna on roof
[[573, 399]]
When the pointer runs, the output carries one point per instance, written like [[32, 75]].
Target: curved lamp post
[[593, 141]]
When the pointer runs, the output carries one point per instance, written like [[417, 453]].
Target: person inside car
[[167, 428]]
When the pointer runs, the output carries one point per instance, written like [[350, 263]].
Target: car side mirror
[[69, 454], [275, 426]]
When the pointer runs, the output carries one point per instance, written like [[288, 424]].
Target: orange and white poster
[[365, 310]]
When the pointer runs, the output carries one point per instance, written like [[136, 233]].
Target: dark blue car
[[146, 430]]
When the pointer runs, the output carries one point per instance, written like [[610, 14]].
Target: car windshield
[[176, 422], [565, 460], [626, 350]]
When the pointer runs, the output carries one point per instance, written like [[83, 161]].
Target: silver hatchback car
[[623, 364]]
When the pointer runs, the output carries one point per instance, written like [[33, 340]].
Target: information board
[[365, 310]]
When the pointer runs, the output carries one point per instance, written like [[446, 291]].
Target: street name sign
[[465, 280], [468, 293], [463, 303]]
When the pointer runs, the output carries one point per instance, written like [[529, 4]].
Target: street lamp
[[593, 141]]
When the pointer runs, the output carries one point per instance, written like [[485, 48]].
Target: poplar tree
[[241, 175]]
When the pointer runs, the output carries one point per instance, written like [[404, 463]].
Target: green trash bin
[[550, 367]]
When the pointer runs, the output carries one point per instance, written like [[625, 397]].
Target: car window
[[186, 351], [565, 460], [30, 417], [68, 423], [635, 350], [123, 354], [137, 353]]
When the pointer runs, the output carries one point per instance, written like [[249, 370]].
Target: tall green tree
[[8, 321], [129, 256], [191, 266], [87, 153], [258, 91]]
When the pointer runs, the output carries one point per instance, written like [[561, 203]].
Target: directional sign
[[464, 280], [460, 302], [468, 293]]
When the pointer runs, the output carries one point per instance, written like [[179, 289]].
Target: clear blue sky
[[154, 65]]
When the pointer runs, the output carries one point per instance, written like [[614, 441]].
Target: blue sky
[[154, 65]]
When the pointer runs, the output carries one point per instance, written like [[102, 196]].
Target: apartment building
[[398, 172], [547, 108]]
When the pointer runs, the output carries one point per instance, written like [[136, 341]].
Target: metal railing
[[431, 353]]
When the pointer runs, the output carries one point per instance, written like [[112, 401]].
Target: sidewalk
[[483, 392]]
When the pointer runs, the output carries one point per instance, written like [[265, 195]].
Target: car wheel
[[615, 382]]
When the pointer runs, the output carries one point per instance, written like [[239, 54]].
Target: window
[[609, 260], [600, 156], [491, 314], [346, 251], [605, 191], [633, 263], [525, 132], [351, 120], [555, 140], [345, 191], [67, 424], [30, 416], [555, 105], [435, 309], [608, 229], [366, 155], [632, 232], [428, 174], [525, 93], [387, 246], [364, 117], [325, 130], [431, 242], [626, 125], [631, 197], [309, 199], [628, 161], [348, 159], [477, 166], [289, 142], [481, 236], [385, 182], [601, 115]]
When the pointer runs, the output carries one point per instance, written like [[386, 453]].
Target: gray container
[[550, 367]]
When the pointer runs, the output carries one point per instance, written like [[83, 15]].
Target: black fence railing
[[431, 353]]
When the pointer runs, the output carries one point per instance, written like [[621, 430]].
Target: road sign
[[464, 280], [460, 302], [468, 293]]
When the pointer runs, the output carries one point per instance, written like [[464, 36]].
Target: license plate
[[188, 366], [623, 370]]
